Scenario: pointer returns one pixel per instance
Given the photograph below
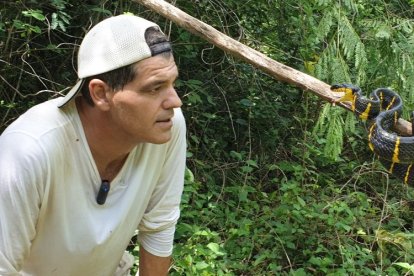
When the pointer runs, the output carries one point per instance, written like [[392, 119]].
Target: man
[[79, 174]]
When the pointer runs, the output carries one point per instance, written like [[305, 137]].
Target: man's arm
[[156, 229], [151, 265], [21, 175]]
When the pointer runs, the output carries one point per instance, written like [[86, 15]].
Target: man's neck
[[108, 152]]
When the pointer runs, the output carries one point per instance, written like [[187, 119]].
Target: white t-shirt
[[50, 222]]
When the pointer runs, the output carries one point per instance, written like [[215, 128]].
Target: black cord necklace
[[103, 192]]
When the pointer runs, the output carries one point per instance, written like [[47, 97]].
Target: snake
[[381, 110]]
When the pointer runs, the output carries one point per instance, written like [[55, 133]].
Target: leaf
[[215, 247], [189, 176], [201, 265], [65, 17], [246, 169], [406, 266], [35, 29], [361, 232], [236, 155], [246, 102], [252, 163], [102, 10], [243, 195], [37, 14], [383, 34], [301, 201], [62, 26], [54, 23]]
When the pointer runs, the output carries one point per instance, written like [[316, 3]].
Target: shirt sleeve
[[156, 229], [21, 175]]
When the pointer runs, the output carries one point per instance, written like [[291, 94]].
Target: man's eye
[[156, 89]]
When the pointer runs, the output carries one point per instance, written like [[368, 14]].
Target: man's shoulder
[[41, 129], [39, 120]]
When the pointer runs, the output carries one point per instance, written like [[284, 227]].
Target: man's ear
[[98, 90]]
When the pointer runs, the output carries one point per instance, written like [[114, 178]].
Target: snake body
[[382, 109]]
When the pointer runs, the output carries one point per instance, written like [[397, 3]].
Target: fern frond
[[331, 126], [331, 66], [350, 5], [324, 26], [361, 62], [324, 3], [350, 123], [334, 135], [320, 126], [340, 70], [352, 46]]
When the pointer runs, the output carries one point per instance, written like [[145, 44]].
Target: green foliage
[[277, 190], [259, 232], [364, 45], [277, 182]]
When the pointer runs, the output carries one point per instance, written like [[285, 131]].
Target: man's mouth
[[164, 120]]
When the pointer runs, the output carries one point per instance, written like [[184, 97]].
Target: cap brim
[[72, 93]]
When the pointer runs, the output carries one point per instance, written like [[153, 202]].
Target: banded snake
[[382, 109]]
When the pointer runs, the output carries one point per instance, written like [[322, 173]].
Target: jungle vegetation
[[278, 181]]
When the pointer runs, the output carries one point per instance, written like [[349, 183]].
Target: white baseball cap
[[113, 43]]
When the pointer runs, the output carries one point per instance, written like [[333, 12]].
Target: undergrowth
[[295, 222]]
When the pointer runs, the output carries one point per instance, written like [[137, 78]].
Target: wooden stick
[[273, 68]]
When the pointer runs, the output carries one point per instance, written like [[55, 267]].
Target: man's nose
[[173, 100]]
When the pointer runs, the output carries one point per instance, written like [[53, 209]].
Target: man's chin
[[161, 140]]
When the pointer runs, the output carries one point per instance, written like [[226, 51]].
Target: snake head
[[349, 90]]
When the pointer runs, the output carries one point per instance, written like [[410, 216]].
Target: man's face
[[143, 109]]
